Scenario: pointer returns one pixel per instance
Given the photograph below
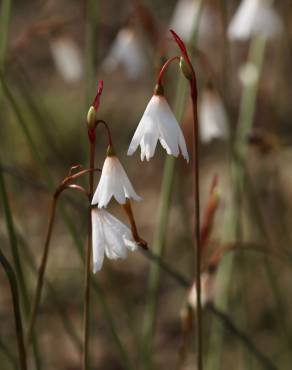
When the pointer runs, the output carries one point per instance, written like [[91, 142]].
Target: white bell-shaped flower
[[212, 117], [158, 123], [127, 52], [109, 236], [67, 58], [254, 17], [185, 16], [113, 182]]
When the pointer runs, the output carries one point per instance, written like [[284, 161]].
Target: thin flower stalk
[[17, 264], [92, 142], [40, 281], [232, 232], [189, 73]]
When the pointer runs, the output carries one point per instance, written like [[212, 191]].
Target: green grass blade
[[246, 116]]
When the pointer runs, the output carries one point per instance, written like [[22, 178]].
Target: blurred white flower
[[212, 117], [109, 236], [186, 13], [207, 290], [127, 52], [113, 182], [67, 58], [158, 123], [254, 17]]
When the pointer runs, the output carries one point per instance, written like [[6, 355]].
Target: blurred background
[[52, 54]]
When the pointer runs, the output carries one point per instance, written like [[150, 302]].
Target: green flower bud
[[185, 68], [91, 117]]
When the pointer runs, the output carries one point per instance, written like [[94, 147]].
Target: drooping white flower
[[158, 123], [109, 236], [113, 182], [212, 117], [185, 15], [127, 52], [207, 290], [254, 17], [67, 58]]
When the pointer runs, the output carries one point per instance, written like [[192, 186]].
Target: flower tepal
[[109, 236], [113, 182], [158, 123]]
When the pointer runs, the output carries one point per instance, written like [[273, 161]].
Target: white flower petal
[[67, 58], [254, 17], [158, 123], [109, 236], [98, 240], [113, 182], [183, 147], [127, 52], [212, 117]]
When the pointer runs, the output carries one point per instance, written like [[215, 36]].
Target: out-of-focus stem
[[16, 308], [91, 45], [16, 259], [42, 268], [87, 263], [239, 153]]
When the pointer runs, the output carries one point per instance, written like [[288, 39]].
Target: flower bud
[[185, 68], [91, 117]]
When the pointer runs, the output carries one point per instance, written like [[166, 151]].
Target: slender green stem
[[16, 308], [41, 273], [68, 326], [220, 315], [16, 260], [239, 153], [228, 324], [85, 360], [5, 17], [9, 354], [91, 12]]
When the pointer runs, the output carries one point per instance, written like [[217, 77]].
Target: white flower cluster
[[110, 236]]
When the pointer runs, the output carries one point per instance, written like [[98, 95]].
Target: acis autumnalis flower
[[158, 123], [109, 236], [113, 182]]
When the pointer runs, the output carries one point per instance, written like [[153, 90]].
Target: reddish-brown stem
[[87, 263], [193, 92], [42, 268], [128, 209], [37, 297], [110, 141], [197, 224], [164, 68]]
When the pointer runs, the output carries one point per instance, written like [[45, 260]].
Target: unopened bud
[[185, 68], [91, 117]]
